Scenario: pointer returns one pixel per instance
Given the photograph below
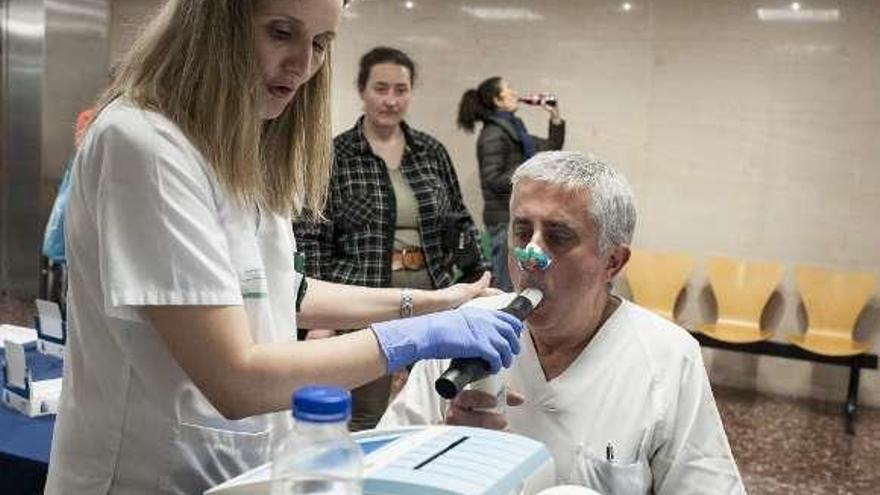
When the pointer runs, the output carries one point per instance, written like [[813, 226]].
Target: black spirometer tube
[[463, 371]]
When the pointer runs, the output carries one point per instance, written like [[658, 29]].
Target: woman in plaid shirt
[[395, 215]]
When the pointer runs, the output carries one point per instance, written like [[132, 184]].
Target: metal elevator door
[[54, 64], [21, 216]]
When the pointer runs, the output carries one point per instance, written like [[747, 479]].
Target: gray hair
[[612, 206]]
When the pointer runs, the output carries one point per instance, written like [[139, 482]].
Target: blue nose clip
[[531, 258]]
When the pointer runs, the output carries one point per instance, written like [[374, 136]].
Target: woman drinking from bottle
[[503, 144]]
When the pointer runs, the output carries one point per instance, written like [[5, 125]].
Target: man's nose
[[538, 240]]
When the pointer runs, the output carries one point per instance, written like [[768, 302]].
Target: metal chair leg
[[45, 266], [852, 397]]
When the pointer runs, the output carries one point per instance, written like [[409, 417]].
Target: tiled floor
[[16, 312], [782, 445], [794, 446]]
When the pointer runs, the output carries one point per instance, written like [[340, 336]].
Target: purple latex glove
[[459, 333]]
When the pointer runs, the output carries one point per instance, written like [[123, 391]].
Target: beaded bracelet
[[406, 302]]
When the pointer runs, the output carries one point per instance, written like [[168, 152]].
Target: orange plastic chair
[[742, 289], [833, 301], [656, 279]]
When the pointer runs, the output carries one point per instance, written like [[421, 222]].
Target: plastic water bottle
[[319, 457]]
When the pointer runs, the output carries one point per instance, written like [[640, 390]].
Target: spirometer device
[[435, 460]]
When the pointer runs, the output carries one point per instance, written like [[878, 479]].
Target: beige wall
[[750, 138], [128, 17]]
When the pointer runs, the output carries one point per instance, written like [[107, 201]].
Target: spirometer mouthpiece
[[463, 371], [531, 258]]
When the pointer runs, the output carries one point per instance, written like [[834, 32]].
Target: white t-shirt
[[640, 386], [148, 224]]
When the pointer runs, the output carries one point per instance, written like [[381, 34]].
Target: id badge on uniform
[[254, 284]]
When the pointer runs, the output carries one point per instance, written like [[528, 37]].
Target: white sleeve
[[695, 457], [418, 403], [161, 241]]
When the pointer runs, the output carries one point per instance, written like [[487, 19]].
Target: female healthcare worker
[[182, 283]]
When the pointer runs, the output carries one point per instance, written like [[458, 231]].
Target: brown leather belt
[[410, 258]]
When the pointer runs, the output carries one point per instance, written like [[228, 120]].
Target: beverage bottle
[[539, 99], [319, 456]]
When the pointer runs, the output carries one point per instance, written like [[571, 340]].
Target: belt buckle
[[411, 258], [396, 261]]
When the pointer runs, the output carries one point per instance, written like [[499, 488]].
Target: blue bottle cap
[[322, 404]]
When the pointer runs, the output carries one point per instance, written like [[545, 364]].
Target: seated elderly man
[[619, 395]]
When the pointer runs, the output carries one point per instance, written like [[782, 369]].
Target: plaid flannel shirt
[[354, 245]]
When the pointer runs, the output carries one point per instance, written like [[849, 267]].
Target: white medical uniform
[[640, 385], [149, 224]]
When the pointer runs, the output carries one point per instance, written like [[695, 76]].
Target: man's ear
[[616, 261]]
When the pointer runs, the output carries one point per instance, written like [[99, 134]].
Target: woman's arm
[[555, 136], [467, 254], [338, 306], [453, 187], [556, 133], [214, 346]]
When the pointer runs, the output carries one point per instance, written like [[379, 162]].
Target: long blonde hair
[[195, 63]]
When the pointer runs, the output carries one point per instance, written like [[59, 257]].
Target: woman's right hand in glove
[[459, 333]]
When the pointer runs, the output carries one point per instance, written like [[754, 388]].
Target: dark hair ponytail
[[478, 104], [470, 110]]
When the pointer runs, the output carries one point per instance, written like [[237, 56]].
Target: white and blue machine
[[435, 460]]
